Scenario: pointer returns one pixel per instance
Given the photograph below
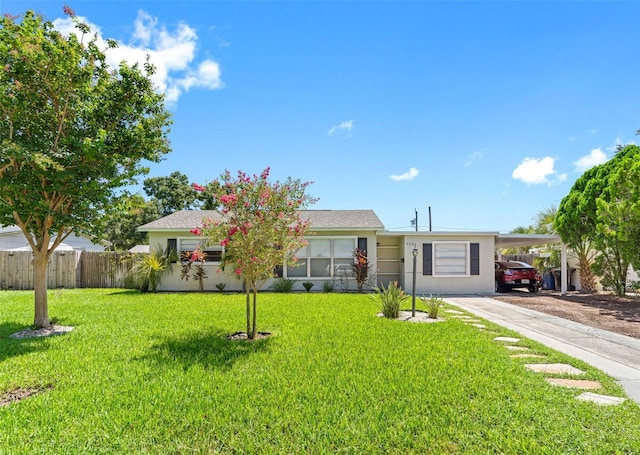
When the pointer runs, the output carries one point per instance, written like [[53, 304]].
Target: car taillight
[[508, 272]]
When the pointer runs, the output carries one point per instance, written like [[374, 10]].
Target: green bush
[[433, 305], [149, 269], [220, 286], [390, 299], [307, 285], [282, 285], [328, 286]]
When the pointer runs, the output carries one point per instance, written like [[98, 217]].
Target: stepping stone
[[600, 399], [574, 383], [462, 317], [454, 311], [520, 356], [553, 368], [517, 348], [507, 339], [480, 326]]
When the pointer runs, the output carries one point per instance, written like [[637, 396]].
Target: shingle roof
[[320, 219]]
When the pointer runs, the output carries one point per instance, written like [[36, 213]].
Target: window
[[451, 259], [324, 257], [214, 252]]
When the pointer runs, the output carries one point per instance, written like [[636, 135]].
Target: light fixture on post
[[413, 287]]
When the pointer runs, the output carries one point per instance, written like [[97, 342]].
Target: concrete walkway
[[616, 355]]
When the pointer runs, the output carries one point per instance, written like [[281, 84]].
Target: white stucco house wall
[[446, 263], [335, 234], [12, 239]]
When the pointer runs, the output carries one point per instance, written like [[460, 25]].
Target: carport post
[[563, 269], [413, 285]]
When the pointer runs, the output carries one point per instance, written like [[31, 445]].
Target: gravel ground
[[604, 311]]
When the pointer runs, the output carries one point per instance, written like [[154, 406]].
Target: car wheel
[[498, 287], [533, 288]]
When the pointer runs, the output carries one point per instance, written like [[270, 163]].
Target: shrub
[[282, 285], [390, 299], [433, 305], [307, 285], [188, 259], [148, 270], [220, 286], [361, 268], [328, 286]]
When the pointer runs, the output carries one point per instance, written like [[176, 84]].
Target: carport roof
[[516, 240]]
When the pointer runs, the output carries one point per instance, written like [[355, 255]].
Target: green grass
[[155, 373]]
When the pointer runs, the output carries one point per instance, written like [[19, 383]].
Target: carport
[[524, 240]]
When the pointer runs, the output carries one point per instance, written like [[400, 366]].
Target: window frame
[[467, 259], [207, 249], [472, 259]]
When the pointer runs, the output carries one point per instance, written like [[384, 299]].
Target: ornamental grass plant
[[156, 373], [390, 299], [432, 305]]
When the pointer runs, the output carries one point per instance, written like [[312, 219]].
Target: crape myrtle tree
[[260, 228], [73, 132]]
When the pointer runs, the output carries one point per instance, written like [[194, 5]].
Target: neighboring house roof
[[12, 239], [139, 249], [9, 229], [320, 220]]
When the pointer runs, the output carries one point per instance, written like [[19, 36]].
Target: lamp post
[[413, 287]]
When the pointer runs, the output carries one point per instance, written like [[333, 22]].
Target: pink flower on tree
[[229, 199], [196, 231], [198, 188]]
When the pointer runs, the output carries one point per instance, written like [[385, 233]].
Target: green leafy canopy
[[73, 132]]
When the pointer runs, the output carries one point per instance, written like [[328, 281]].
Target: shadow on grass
[[12, 347], [212, 350], [126, 292]]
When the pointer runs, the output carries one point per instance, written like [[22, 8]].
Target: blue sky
[[485, 111]]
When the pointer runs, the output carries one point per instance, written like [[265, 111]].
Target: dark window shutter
[[427, 261], [362, 243], [474, 254], [172, 245]]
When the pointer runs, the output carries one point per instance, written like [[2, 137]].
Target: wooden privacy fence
[[66, 269]]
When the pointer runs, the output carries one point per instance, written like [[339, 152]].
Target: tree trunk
[[248, 301], [41, 318], [588, 283], [587, 278], [255, 298]]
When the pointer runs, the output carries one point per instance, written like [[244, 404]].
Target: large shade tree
[[598, 219], [260, 228], [73, 132], [171, 193], [618, 219], [166, 195]]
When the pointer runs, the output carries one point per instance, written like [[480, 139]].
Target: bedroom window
[[214, 252], [451, 259]]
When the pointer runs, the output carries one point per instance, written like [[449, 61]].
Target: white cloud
[[409, 175], [473, 157], [594, 158], [173, 53], [536, 171], [346, 125]]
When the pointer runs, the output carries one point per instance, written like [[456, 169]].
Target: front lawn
[[146, 373]]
